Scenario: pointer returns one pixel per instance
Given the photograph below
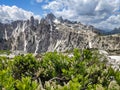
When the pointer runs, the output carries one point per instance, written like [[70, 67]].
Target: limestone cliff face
[[53, 34]]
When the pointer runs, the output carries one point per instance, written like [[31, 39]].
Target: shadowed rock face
[[53, 34]]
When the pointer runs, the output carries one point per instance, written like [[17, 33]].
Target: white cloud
[[88, 11], [14, 13], [112, 22], [39, 1]]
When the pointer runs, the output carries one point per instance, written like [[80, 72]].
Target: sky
[[103, 14]]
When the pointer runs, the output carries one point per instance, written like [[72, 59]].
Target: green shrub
[[76, 54], [26, 84], [117, 77], [5, 52], [25, 66], [3, 63], [56, 71], [6, 80], [53, 63]]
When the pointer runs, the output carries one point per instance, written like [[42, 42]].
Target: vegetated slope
[[85, 70], [53, 34]]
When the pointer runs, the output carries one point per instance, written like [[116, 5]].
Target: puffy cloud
[[110, 23], [39, 1], [88, 11], [14, 13]]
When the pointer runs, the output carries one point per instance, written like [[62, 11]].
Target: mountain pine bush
[[57, 71]]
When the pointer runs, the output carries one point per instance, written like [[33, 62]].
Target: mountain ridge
[[51, 34]]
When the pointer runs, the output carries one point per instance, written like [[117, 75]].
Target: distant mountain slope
[[115, 31]]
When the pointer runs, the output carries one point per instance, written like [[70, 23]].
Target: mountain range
[[53, 33]]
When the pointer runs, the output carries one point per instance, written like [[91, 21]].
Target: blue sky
[[29, 5], [103, 14]]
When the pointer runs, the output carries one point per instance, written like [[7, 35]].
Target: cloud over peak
[[95, 12], [14, 13]]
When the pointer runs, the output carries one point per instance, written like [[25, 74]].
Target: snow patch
[[56, 21], [115, 57], [103, 52]]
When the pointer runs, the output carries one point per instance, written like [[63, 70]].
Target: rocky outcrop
[[53, 34]]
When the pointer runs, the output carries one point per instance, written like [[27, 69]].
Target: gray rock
[[32, 36]]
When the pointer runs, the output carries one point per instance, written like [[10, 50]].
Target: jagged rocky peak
[[52, 34], [50, 17], [69, 22], [43, 21], [60, 19], [32, 20], [48, 20]]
